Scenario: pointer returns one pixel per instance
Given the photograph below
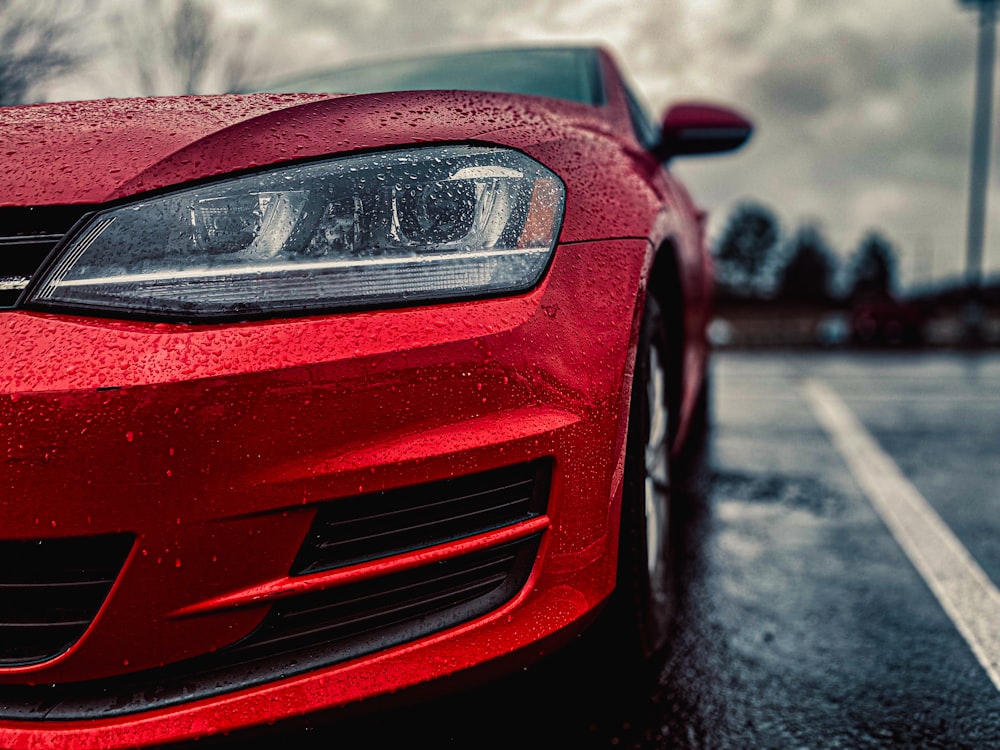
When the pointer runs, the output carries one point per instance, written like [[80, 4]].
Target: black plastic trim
[[51, 590], [367, 527]]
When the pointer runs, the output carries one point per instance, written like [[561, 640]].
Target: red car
[[308, 398]]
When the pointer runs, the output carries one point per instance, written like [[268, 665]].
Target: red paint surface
[[213, 444]]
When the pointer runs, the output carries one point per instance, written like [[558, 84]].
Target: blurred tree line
[[160, 47], [754, 259]]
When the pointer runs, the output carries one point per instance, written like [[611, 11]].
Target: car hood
[[93, 152]]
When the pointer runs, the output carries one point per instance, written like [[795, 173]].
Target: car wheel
[[641, 609]]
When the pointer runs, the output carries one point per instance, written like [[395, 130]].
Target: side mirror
[[701, 129]]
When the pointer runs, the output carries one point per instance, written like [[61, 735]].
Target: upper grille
[[50, 591], [27, 236], [366, 527]]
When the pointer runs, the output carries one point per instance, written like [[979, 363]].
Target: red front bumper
[[215, 445]]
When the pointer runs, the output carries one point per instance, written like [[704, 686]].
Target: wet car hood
[[98, 151]]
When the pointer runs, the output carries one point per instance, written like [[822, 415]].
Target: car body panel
[[330, 406]]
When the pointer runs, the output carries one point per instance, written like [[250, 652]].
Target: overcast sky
[[863, 107]]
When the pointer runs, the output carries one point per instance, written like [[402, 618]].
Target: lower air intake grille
[[50, 591], [299, 635], [367, 527], [371, 615], [308, 631]]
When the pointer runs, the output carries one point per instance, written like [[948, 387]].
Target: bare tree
[[36, 44], [182, 47]]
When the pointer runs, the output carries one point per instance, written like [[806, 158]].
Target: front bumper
[[215, 447]]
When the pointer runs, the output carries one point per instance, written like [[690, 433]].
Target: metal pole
[[980, 169]]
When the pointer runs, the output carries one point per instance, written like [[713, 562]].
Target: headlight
[[379, 229]]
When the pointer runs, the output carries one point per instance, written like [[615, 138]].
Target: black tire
[[636, 624], [692, 452]]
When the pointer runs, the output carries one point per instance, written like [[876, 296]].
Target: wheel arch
[[665, 285]]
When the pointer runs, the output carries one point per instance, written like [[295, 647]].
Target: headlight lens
[[386, 228]]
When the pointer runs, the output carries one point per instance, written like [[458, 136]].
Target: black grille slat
[[50, 591], [491, 518], [522, 496], [19, 649], [35, 239], [399, 611], [49, 602], [21, 221], [357, 529], [400, 599], [414, 592], [27, 236], [385, 618], [53, 587], [68, 560]]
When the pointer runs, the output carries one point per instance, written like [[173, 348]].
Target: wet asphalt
[[800, 623]]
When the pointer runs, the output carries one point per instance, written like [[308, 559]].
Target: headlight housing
[[386, 228]]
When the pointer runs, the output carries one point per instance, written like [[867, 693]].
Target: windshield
[[570, 73]]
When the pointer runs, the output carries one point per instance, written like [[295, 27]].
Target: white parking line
[[965, 592]]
